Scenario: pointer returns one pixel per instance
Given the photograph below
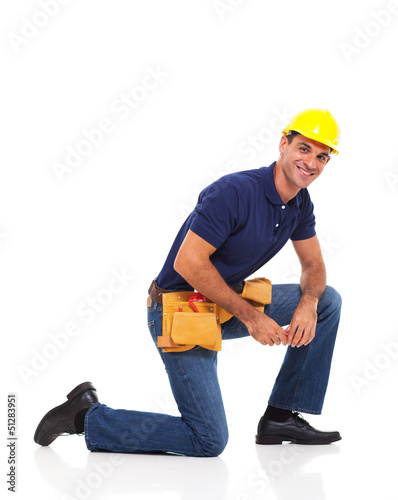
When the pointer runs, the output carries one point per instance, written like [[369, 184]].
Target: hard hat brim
[[314, 137]]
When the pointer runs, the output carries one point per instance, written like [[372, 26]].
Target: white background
[[227, 73]]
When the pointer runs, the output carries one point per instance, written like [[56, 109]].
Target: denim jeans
[[202, 430]]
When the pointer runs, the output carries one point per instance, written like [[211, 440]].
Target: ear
[[283, 144]]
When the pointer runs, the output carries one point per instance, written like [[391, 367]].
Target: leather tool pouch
[[183, 328], [258, 291]]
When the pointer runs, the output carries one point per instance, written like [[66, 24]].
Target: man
[[240, 222]]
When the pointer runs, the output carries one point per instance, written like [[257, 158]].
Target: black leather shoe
[[295, 429], [61, 419]]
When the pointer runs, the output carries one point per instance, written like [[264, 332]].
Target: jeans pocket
[[152, 330]]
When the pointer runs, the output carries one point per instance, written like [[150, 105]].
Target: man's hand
[[265, 330], [194, 265], [301, 330]]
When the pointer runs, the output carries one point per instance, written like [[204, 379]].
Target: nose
[[311, 162]]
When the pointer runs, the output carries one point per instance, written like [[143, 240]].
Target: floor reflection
[[286, 470], [107, 475]]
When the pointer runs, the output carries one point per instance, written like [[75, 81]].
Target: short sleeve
[[306, 226], [215, 214]]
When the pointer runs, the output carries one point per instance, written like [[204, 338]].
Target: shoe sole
[[85, 386], [281, 439]]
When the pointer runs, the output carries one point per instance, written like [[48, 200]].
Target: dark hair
[[291, 135]]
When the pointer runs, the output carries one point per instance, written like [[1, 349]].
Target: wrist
[[247, 314], [308, 298]]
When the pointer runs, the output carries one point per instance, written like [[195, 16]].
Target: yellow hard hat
[[316, 124]]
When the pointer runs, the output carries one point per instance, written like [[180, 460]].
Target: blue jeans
[[202, 430]]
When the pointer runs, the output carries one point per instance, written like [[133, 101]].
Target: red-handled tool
[[196, 297]]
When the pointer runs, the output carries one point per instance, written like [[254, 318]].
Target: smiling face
[[300, 163]]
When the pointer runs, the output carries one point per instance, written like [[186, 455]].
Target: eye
[[304, 150]]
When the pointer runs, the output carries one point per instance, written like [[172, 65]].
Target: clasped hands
[[298, 333]]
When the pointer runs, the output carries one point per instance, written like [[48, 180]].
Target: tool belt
[[183, 329]]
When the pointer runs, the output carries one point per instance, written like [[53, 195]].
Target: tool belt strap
[[183, 329], [156, 293]]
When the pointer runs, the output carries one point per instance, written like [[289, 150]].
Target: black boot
[[67, 418]]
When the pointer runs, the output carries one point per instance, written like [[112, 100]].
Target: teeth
[[304, 172]]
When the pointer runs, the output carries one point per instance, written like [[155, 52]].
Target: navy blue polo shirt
[[245, 219]]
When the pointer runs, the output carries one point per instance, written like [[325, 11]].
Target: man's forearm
[[193, 263], [313, 281], [302, 327], [207, 280]]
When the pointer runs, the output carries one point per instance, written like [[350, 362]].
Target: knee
[[213, 444], [332, 299]]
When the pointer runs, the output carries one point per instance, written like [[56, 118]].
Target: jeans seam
[[294, 408], [301, 372], [213, 444], [92, 407]]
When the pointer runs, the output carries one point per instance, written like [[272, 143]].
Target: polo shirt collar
[[271, 192]]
